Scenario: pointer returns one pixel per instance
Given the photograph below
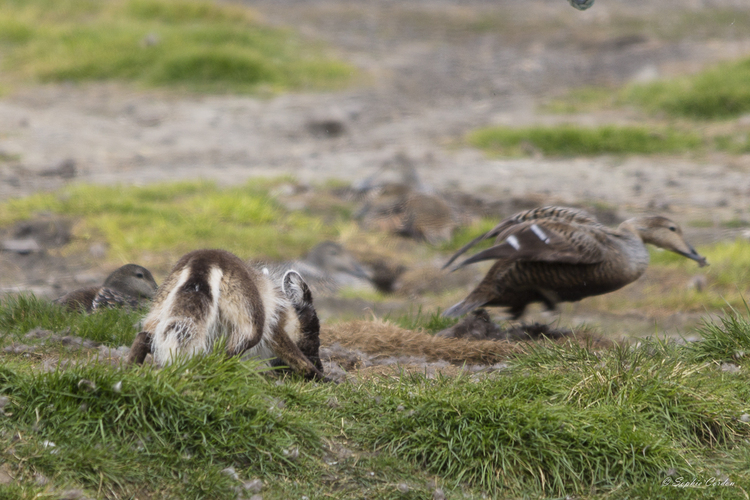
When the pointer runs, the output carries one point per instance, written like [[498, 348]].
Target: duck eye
[[673, 229], [139, 275]]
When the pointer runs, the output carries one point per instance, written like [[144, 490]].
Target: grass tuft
[[23, 313], [571, 140], [178, 217], [198, 45], [716, 93], [171, 430], [728, 341], [559, 420], [429, 322]]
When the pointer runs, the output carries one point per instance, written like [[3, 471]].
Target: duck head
[[665, 233], [132, 279]]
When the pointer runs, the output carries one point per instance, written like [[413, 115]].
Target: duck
[[128, 286], [407, 207], [327, 267], [558, 254]]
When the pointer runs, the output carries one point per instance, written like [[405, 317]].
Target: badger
[[211, 295]]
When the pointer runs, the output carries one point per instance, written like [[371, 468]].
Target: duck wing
[[78, 300], [111, 298], [547, 241], [540, 215]]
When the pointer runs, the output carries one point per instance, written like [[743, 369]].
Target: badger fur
[[212, 295]]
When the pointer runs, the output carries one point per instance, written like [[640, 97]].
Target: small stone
[[39, 333], [329, 124], [400, 408], [72, 495], [86, 385], [5, 476], [730, 368], [40, 480], [403, 487], [4, 400], [333, 402], [229, 471], [699, 282], [292, 453], [253, 486], [98, 250], [71, 340], [745, 417], [22, 246], [438, 494], [256, 497], [150, 40], [117, 387], [66, 169]]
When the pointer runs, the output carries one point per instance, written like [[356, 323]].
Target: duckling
[[557, 254], [130, 285], [329, 266], [212, 294], [409, 207]]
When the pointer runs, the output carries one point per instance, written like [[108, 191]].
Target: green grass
[[20, 314], [729, 262], [464, 234], [716, 93], [571, 140], [561, 420], [428, 322], [179, 217], [198, 45], [581, 100]]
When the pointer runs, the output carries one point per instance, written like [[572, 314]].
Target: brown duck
[[128, 286], [557, 254]]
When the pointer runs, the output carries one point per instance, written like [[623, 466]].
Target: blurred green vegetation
[[175, 218], [572, 140], [716, 93], [198, 45]]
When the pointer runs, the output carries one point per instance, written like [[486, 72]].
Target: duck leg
[[140, 348]]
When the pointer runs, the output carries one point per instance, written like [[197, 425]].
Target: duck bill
[[692, 254]]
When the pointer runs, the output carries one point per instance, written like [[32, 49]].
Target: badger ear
[[295, 288]]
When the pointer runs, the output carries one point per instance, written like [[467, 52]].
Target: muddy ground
[[432, 70]]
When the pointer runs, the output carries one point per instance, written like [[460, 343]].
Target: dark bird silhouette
[[128, 286], [556, 254]]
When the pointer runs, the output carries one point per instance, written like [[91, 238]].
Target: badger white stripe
[[513, 242], [539, 233]]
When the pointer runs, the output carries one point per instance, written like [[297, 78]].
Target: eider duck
[[130, 285], [557, 254], [327, 267]]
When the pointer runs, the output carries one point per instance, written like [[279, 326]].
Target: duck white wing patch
[[513, 241], [540, 233]]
